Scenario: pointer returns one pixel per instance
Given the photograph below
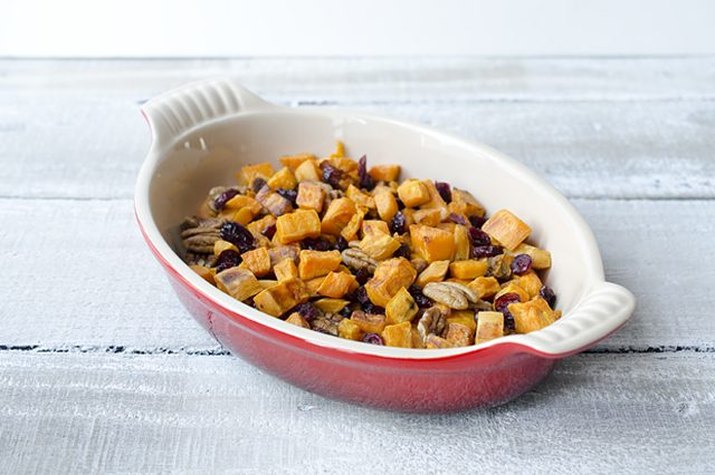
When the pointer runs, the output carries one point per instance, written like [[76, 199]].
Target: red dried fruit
[[521, 264], [290, 195], [502, 303], [373, 339], [398, 223], [237, 235], [486, 251], [341, 244], [316, 244], [227, 259], [444, 190], [547, 294], [365, 180], [306, 310], [331, 175], [270, 231], [257, 184], [478, 238], [223, 198], [477, 221], [456, 218], [402, 251], [420, 299]]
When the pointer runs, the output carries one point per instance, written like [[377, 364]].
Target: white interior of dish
[[178, 175]]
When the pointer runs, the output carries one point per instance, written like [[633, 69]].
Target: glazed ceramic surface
[[204, 132]]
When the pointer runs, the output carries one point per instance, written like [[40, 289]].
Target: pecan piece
[[432, 322], [356, 259], [199, 234], [448, 295], [327, 323]]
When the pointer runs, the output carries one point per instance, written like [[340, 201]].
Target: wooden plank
[[80, 275], [117, 413], [89, 146]]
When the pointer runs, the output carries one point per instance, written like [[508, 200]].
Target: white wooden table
[[101, 369]]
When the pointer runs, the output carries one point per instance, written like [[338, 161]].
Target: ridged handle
[[605, 309], [175, 112]]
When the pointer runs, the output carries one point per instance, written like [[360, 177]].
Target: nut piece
[[379, 246], [432, 322], [200, 234], [356, 259], [297, 320], [452, 294], [327, 323]]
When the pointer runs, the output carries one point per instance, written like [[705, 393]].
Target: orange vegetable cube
[[243, 201], [399, 335], [317, 263], [533, 315], [379, 246], [258, 226], [337, 284], [511, 287], [435, 199], [280, 298], [434, 272], [413, 193], [331, 305], [249, 173], [349, 330], [285, 269], [338, 215], [401, 308], [350, 231], [307, 171], [205, 273], [469, 269], [385, 172], [238, 283], [461, 243], [257, 261], [386, 204], [372, 226], [484, 287], [284, 178], [506, 228], [298, 225], [368, 322], [428, 217], [294, 161], [432, 244], [540, 258], [359, 197], [465, 203], [463, 317], [221, 245], [295, 319], [530, 282], [389, 277], [458, 334], [310, 196], [490, 325]]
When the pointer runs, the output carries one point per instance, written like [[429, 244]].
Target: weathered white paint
[[121, 413]]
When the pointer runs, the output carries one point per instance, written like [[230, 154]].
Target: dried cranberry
[[420, 299], [359, 296], [346, 311], [457, 218], [373, 339], [290, 195], [521, 264], [316, 244], [509, 323], [400, 204], [477, 221], [366, 180], [477, 237], [257, 184], [397, 223], [362, 275], [227, 259], [486, 251], [341, 244], [270, 231], [403, 251], [501, 304], [444, 190], [331, 175], [223, 198], [237, 235], [307, 310], [548, 295]]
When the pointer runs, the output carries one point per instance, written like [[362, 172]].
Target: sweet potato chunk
[[463, 202], [428, 217], [294, 161], [249, 173], [490, 325], [435, 199], [379, 246], [385, 172], [530, 282], [273, 202], [257, 261], [506, 228], [386, 204], [359, 197], [540, 258], [350, 231], [284, 178], [432, 244], [469, 269], [258, 226], [461, 243], [372, 226], [338, 215], [238, 283], [317, 263], [413, 193], [307, 171], [221, 245], [337, 284], [533, 315], [331, 305], [350, 330], [368, 322], [285, 269], [400, 308], [205, 273], [243, 201], [511, 287], [458, 334], [389, 277], [295, 319], [434, 272], [280, 298], [310, 196], [484, 287], [399, 335], [298, 225], [463, 317], [434, 342], [278, 253]]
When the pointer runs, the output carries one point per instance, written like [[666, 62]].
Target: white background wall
[[355, 27]]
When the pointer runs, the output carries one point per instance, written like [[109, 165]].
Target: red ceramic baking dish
[[204, 132]]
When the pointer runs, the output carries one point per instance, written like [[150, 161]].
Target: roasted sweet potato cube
[[258, 226], [413, 193], [314, 284], [416, 338], [349, 330], [428, 217], [205, 273], [297, 320], [379, 246], [284, 178], [467, 203], [463, 317], [530, 282], [533, 315], [221, 245], [368, 322], [278, 253], [432, 244], [238, 283], [337, 216], [371, 226], [343, 163], [540, 258], [337, 284], [401, 308], [294, 161], [331, 305], [459, 335], [280, 298], [512, 287], [274, 203], [506, 228], [316, 263], [386, 204], [249, 173], [307, 171], [385, 172], [490, 325], [399, 335], [469, 269], [434, 342], [359, 197], [339, 149], [435, 199], [311, 195], [242, 216], [267, 283], [484, 287], [298, 225], [461, 243], [285, 269], [389, 277], [257, 261], [434, 272], [350, 231]]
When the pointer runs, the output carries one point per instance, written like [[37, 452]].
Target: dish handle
[[604, 310], [179, 110]]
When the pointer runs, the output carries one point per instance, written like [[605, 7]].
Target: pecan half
[[199, 234], [327, 323], [453, 296], [432, 322], [356, 259]]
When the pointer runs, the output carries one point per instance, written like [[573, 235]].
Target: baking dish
[[203, 132]]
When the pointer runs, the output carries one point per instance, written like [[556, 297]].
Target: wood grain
[[107, 413], [81, 275]]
